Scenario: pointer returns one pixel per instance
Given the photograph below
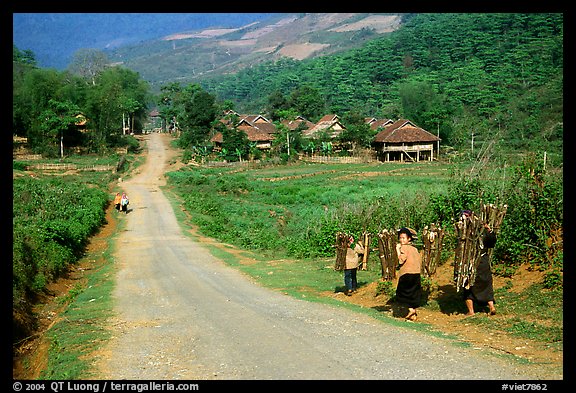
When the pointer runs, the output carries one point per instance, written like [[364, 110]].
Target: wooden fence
[[68, 167], [338, 160]]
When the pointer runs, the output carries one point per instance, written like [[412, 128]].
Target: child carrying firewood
[[353, 258]]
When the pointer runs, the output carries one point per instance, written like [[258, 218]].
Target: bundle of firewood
[[432, 238], [366, 239], [387, 241], [493, 215], [469, 231], [342, 242]]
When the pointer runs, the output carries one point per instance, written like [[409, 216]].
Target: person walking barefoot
[[482, 292], [409, 288]]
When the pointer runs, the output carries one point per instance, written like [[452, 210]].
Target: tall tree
[[308, 101], [57, 119], [88, 63], [197, 111]]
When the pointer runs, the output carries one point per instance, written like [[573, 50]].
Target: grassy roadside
[[80, 330], [528, 313], [76, 312]]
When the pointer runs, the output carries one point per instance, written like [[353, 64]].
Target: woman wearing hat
[[409, 288]]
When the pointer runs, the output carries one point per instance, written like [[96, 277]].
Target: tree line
[[471, 78], [494, 76], [48, 104]]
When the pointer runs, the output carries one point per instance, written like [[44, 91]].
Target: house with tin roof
[[404, 140]]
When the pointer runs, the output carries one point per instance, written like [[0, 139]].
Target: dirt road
[[183, 314]]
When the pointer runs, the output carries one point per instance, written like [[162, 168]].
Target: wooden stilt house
[[404, 140]]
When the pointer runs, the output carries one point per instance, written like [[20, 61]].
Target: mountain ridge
[[54, 37], [188, 56]]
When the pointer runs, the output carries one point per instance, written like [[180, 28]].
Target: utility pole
[[472, 143], [438, 141]]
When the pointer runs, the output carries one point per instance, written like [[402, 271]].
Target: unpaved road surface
[[180, 313]]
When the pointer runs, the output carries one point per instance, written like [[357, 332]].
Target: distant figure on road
[[409, 288], [124, 203], [482, 292], [117, 200], [352, 262]]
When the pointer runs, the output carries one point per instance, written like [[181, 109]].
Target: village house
[[298, 122], [376, 124], [262, 139], [404, 140], [396, 140], [329, 124], [155, 122], [258, 129]]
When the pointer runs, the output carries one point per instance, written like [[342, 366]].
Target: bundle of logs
[[493, 215], [469, 232], [387, 241], [342, 242], [366, 239], [432, 238]]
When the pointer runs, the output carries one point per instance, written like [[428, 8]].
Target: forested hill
[[498, 76]]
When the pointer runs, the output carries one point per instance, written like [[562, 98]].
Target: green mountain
[[494, 78]]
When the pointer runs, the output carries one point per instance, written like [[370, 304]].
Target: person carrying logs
[[409, 287], [482, 291], [353, 260]]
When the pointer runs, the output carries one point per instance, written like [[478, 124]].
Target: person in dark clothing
[[482, 292]]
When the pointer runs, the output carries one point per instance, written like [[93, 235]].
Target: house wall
[[406, 152]]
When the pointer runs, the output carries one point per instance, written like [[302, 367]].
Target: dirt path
[[183, 314]]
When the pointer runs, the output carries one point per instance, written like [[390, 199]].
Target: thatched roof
[[404, 131]]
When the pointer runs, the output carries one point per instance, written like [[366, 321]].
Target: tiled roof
[[404, 131], [325, 123], [374, 125], [293, 124], [254, 135], [268, 128]]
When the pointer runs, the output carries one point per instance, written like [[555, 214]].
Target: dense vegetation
[[47, 104], [472, 78], [52, 221], [498, 76], [297, 210]]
